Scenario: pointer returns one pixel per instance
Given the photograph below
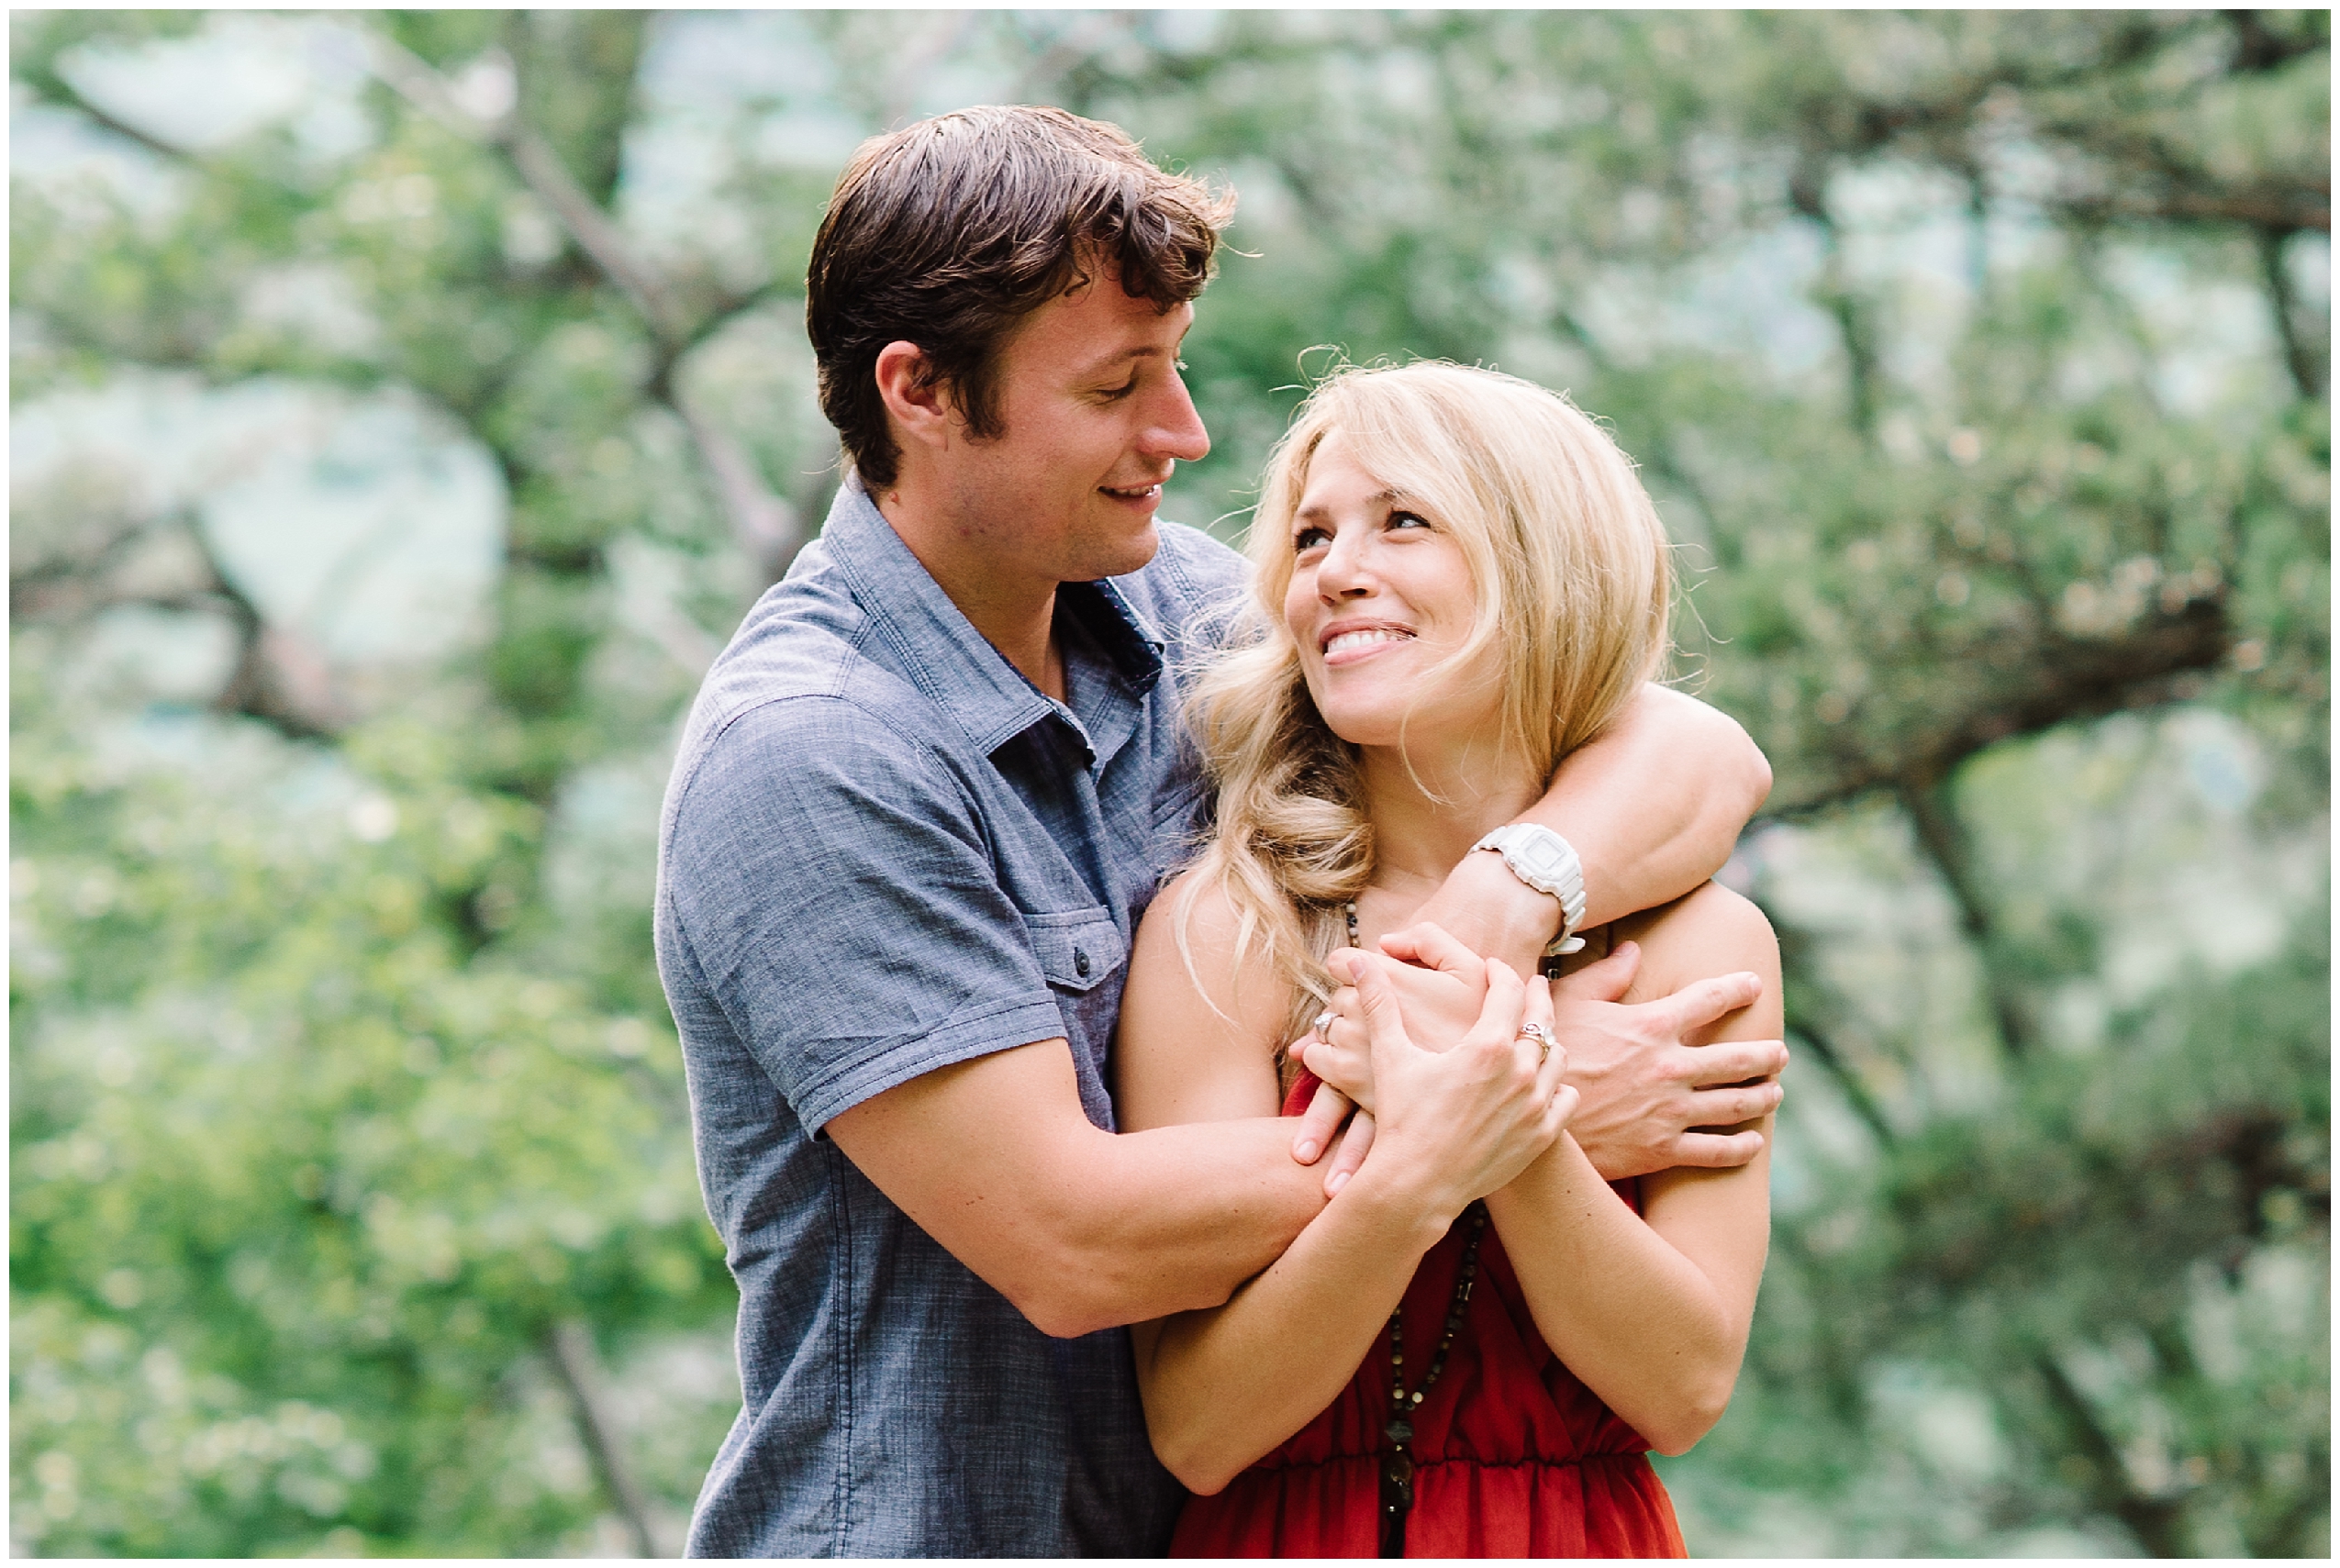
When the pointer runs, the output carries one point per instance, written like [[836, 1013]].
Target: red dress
[[1513, 1457]]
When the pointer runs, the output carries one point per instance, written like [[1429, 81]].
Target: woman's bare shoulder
[[1194, 922], [1710, 909], [1197, 1035], [1710, 930]]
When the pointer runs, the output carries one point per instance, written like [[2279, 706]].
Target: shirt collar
[[939, 648]]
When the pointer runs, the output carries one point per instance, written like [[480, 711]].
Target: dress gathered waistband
[[1524, 1462]]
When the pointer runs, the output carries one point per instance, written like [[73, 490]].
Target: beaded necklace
[[1398, 1463]]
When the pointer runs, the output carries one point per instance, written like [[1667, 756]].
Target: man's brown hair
[[949, 232]]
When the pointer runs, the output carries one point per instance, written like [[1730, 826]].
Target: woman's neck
[[1426, 817]]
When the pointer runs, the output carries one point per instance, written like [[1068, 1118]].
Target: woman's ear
[[920, 408]]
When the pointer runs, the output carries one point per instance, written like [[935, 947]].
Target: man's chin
[[1124, 556]]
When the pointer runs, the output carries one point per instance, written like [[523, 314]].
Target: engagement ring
[[1542, 1036], [1323, 1022]]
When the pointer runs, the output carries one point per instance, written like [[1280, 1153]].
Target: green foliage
[[2136, 1250], [1979, 362], [299, 1188]]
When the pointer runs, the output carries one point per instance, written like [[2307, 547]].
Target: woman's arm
[[1652, 1312], [1224, 1385]]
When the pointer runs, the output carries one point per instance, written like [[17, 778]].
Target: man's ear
[[921, 410]]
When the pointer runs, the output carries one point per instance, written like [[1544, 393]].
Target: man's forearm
[[1654, 804], [1652, 808], [1080, 1228], [1174, 1219]]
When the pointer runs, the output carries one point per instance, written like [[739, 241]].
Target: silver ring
[[1323, 1022], [1538, 1033]]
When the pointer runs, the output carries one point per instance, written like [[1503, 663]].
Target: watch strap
[[1549, 863]]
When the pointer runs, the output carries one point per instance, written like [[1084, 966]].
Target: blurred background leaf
[[408, 404]]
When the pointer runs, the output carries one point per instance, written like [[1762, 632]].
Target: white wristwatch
[[1547, 862]]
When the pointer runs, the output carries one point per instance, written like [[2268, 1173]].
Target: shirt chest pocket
[[1078, 947]]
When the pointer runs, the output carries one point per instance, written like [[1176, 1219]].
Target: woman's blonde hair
[[1571, 568]]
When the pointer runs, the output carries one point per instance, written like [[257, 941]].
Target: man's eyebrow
[[1142, 352], [1127, 356]]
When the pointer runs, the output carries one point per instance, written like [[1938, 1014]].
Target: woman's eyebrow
[[1379, 497]]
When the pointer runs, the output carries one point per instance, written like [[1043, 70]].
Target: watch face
[[1542, 858]]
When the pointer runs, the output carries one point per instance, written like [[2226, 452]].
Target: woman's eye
[[1307, 539], [1408, 521]]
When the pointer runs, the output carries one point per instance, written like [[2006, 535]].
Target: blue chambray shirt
[[883, 850]]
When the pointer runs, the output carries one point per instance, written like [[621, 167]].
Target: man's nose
[[1177, 430]]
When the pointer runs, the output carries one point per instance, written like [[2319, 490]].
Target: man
[[921, 802]]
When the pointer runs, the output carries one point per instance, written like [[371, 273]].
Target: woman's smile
[[1350, 642], [1380, 598]]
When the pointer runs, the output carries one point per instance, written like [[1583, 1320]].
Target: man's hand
[[1323, 1121], [1646, 1092]]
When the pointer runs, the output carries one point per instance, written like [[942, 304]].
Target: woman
[[1461, 579]]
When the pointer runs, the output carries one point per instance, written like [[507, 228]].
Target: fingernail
[[1306, 1149], [1340, 1179]]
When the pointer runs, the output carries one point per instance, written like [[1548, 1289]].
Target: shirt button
[[1080, 962]]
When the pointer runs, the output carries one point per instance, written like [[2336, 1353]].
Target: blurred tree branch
[[2156, 1522], [1943, 838], [569, 1347], [765, 525], [1812, 1006], [1807, 194], [2045, 681], [539, 168], [38, 43], [2307, 348], [278, 676], [47, 81], [2259, 48]]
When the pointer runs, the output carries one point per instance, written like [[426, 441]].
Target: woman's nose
[[1344, 573]]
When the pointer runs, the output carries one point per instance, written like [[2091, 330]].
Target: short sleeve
[[833, 883]]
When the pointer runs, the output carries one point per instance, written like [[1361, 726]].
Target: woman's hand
[[1653, 1099], [1441, 988], [1441, 985], [1456, 1125]]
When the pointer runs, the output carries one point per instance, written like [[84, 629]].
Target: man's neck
[[1016, 616]]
